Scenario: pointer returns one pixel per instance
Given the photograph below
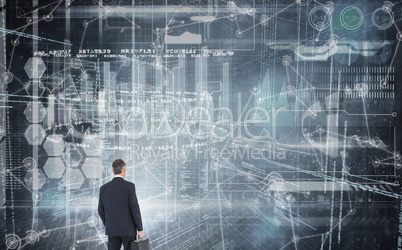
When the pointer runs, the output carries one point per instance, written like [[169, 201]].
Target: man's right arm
[[101, 209]]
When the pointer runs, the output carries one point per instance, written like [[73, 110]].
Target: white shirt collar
[[118, 176]]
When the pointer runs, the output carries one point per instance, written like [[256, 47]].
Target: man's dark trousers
[[115, 242]]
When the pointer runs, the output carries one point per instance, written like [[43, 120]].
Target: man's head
[[119, 167]]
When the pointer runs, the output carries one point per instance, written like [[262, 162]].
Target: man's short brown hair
[[118, 166]]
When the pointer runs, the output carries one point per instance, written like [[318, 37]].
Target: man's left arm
[[135, 207]]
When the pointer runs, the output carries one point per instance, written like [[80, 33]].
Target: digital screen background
[[244, 124]]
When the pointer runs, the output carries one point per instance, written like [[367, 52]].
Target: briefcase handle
[[141, 240]]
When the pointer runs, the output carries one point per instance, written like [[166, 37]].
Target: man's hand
[[140, 234]]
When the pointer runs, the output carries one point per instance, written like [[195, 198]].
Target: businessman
[[119, 210]]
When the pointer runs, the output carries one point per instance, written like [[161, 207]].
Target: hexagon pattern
[[29, 88], [35, 134], [54, 167], [41, 179], [75, 179], [54, 145], [92, 168], [35, 68], [76, 156], [35, 114]]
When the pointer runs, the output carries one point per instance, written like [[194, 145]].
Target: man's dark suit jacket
[[118, 208]]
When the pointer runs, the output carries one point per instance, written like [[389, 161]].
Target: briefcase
[[142, 244]]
